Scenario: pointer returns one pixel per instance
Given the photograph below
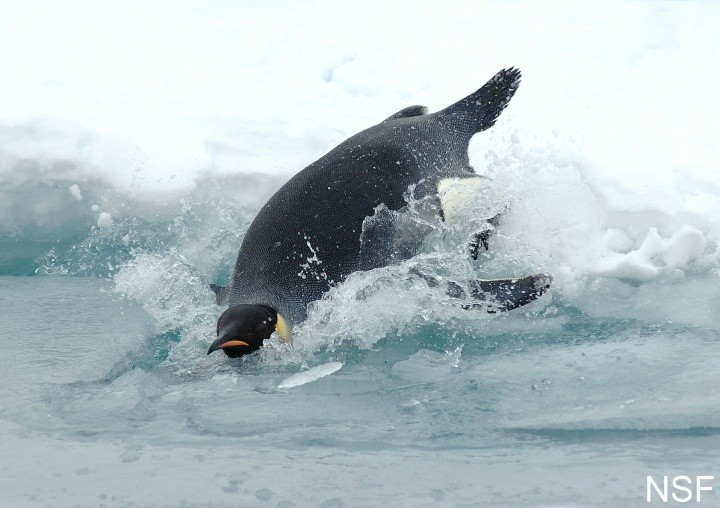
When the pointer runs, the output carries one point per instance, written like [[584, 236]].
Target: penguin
[[340, 215]]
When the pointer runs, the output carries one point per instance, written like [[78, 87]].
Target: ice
[[310, 375], [104, 220], [620, 172], [75, 191]]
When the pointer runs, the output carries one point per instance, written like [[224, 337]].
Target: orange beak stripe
[[232, 343]]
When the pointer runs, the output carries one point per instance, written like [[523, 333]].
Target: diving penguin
[[339, 215]]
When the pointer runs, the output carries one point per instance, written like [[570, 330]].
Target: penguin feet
[[480, 241]]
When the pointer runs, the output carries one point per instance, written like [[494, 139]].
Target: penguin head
[[242, 329]]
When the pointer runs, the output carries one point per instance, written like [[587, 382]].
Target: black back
[[307, 236]]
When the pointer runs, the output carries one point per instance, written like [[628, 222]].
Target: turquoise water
[[108, 398]]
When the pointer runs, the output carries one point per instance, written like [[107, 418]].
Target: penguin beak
[[222, 343]]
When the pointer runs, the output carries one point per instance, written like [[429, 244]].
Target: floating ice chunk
[[104, 220], [653, 244], [311, 375], [75, 191], [684, 246], [633, 265]]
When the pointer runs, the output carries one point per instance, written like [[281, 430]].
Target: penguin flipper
[[408, 112], [497, 295], [506, 294], [221, 293], [479, 111]]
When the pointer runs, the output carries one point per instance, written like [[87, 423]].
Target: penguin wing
[[507, 294], [408, 112], [390, 236], [221, 293], [497, 295]]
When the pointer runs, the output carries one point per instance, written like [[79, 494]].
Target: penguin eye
[[262, 328]]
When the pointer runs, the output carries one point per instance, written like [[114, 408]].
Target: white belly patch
[[455, 193]]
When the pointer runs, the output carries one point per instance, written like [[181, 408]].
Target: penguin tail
[[479, 111]]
